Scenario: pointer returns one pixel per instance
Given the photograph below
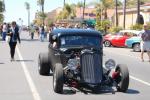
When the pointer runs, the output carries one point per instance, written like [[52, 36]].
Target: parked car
[[119, 38], [134, 42], [77, 62]]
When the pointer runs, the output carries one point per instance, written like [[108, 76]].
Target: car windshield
[[80, 41], [119, 33]]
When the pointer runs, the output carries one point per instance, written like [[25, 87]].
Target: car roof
[[69, 31], [131, 31]]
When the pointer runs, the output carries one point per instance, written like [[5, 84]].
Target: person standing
[[145, 42], [14, 37], [1, 27], [42, 33], [32, 30], [4, 31]]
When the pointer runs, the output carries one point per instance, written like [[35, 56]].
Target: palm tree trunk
[[124, 14], [105, 11], [138, 12], [64, 2], [84, 9], [116, 3], [3, 5], [28, 17], [43, 14]]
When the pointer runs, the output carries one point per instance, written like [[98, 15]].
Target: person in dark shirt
[[14, 37], [145, 42]]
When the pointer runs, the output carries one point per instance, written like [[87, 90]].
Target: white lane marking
[[139, 80], [123, 54], [35, 94]]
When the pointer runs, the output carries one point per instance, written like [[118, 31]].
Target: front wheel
[[136, 47], [123, 78], [43, 64], [58, 78], [107, 43]]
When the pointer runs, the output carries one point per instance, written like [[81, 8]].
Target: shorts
[[145, 46]]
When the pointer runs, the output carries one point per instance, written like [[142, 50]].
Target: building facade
[[131, 15]]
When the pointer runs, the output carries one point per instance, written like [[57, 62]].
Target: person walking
[[14, 37], [145, 42]]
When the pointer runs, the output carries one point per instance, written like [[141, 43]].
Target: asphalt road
[[20, 80]]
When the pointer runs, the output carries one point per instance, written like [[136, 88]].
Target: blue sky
[[15, 9]]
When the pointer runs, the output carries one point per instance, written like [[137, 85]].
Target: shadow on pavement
[[24, 60], [34, 40], [29, 40], [50, 74], [71, 91], [131, 91], [1, 63], [68, 92], [106, 91]]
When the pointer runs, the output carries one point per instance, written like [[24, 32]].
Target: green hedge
[[136, 27], [115, 29]]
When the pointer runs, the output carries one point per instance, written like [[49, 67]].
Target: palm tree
[[68, 12], [133, 3], [2, 9], [106, 4], [64, 2], [27, 5], [41, 4], [84, 8], [138, 12], [2, 6], [80, 5]]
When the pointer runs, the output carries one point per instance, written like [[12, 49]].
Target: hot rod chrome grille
[[91, 69]]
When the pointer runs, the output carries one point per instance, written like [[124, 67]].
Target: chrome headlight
[[110, 64]]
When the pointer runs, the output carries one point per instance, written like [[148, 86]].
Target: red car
[[119, 38]]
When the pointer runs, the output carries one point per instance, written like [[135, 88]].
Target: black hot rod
[[76, 60]]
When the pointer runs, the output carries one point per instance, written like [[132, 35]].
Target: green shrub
[[115, 29], [136, 27], [102, 25], [148, 23]]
